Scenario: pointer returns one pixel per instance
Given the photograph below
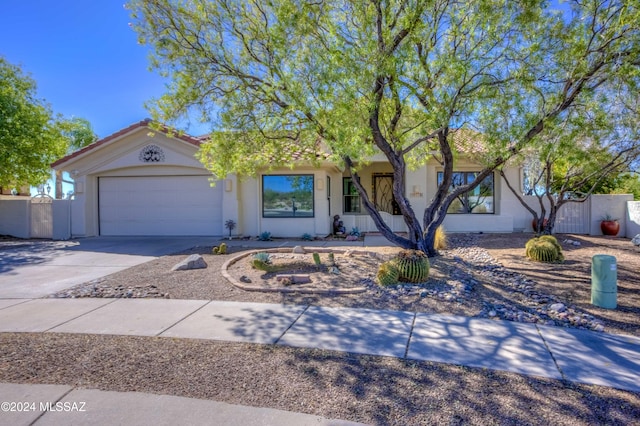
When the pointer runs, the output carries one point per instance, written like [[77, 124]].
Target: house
[[138, 181]]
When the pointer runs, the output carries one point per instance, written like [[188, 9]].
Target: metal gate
[[42, 216], [574, 218]]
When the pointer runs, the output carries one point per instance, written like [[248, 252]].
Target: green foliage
[[31, 137], [263, 257], [265, 236], [221, 249], [263, 266], [544, 249], [624, 183], [316, 260], [413, 266], [388, 274], [355, 232], [262, 261], [78, 132], [307, 237], [398, 78]]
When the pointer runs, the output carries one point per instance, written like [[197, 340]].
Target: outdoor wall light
[[319, 184], [228, 185]]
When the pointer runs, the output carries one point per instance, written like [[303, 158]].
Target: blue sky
[[84, 58]]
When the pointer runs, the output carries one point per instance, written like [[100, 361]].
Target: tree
[[398, 77], [29, 136], [78, 133], [582, 157], [568, 174], [625, 183]]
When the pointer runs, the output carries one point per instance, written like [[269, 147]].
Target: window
[[478, 200], [352, 202], [287, 196]]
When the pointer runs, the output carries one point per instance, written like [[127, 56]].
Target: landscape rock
[[195, 261], [298, 250], [558, 307], [636, 240]]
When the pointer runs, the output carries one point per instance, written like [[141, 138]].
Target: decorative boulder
[[195, 261], [636, 240], [298, 250]]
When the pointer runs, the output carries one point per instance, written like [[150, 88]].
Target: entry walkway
[[567, 354]]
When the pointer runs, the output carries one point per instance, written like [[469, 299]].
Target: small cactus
[[332, 259], [413, 266], [316, 260], [388, 274], [544, 249], [221, 249]]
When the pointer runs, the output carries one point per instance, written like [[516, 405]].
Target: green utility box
[[604, 281]]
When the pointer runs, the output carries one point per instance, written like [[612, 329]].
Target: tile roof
[[141, 124], [465, 141]]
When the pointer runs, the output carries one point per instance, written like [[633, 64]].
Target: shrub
[[307, 237], [262, 261], [355, 232], [440, 241], [316, 259], [544, 249], [388, 274], [265, 236], [413, 266], [262, 265]]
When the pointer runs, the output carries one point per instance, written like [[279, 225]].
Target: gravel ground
[[372, 390], [481, 275]]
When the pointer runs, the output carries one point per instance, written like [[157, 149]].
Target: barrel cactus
[[388, 274], [553, 241], [413, 266], [544, 250]]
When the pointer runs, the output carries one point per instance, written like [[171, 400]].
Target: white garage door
[[159, 205]]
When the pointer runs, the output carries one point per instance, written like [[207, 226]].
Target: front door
[[383, 193]]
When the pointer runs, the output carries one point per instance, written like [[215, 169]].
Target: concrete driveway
[[37, 268]]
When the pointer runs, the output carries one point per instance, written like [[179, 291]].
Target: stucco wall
[[633, 219], [15, 219], [61, 223], [613, 205]]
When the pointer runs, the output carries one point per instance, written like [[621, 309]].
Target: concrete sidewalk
[[57, 405], [575, 355]]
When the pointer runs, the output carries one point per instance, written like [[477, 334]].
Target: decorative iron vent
[[151, 154]]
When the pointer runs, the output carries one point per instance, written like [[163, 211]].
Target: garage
[[159, 205]]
